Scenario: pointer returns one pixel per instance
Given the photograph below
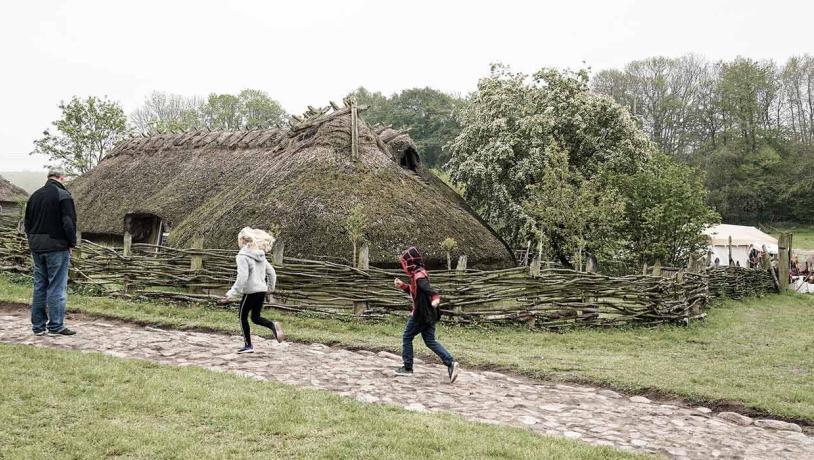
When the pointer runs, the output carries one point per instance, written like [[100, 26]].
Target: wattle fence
[[544, 298]]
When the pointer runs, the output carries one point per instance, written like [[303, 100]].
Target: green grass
[[803, 235], [68, 404], [758, 352]]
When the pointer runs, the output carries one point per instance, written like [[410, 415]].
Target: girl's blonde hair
[[254, 238]]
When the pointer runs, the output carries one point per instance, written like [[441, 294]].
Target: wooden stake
[[783, 260], [354, 130], [196, 261], [729, 248], [277, 253], [364, 257], [127, 243], [461, 264]]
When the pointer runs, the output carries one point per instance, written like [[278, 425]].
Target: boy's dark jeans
[[427, 332]]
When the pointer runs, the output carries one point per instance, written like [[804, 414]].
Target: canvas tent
[[305, 180], [741, 238]]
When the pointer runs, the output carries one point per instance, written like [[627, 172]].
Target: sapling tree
[[355, 225], [449, 245]]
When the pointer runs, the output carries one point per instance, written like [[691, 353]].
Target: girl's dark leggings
[[252, 303]]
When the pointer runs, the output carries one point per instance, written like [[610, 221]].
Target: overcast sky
[[309, 52]]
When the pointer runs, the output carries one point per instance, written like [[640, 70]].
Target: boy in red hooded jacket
[[425, 314]]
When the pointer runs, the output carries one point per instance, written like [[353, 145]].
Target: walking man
[[50, 225]]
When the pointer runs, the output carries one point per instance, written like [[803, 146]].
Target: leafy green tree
[[748, 94], [429, 114], [222, 111], [665, 212], [573, 215], [258, 110], [509, 127], [85, 132]]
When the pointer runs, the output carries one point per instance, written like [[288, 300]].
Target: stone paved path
[[591, 414]]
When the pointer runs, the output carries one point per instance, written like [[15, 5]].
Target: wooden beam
[[783, 260]]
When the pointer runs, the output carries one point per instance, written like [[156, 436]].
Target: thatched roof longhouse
[[10, 193], [303, 179]]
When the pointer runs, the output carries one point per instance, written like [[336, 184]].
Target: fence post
[[76, 253], [461, 264], [196, 260], [535, 267], [277, 253], [766, 264], [359, 307], [729, 248], [364, 257], [127, 243], [460, 272], [657, 268], [126, 249], [783, 260]]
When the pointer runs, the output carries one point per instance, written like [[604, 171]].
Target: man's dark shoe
[[403, 371], [278, 332], [63, 331], [40, 332], [453, 371], [246, 349]]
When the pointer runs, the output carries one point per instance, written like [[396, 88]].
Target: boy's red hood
[[411, 260]]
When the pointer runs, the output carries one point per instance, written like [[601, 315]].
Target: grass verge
[[756, 355], [77, 405]]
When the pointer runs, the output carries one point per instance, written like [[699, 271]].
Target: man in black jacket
[[50, 224]]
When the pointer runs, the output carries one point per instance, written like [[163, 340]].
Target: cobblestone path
[[594, 415]]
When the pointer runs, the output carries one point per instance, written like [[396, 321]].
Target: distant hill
[[27, 180]]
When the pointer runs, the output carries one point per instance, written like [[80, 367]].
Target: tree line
[[627, 166], [747, 124]]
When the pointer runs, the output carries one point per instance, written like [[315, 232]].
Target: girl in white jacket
[[255, 277]]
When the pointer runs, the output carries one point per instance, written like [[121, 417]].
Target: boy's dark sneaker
[[278, 332], [403, 371], [453, 371], [40, 332], [63, 331], [246, 350]]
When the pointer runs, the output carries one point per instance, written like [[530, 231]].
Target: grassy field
[[757, 353], [75, 405], [803, 235]]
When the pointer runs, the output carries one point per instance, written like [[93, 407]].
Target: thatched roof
[[10, 193], [302, 179]]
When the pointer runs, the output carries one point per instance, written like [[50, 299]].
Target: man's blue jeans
[[50, 286], [427, 332]]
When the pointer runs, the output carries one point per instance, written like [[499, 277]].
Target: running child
[[425, 302], [255, 277]]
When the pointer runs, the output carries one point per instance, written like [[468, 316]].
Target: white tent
[[742, 237]]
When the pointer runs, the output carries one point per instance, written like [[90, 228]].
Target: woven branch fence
[[552, 299]]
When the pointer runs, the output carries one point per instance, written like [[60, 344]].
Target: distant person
[[425, 302], [717, 262], [50, 225], [754, 256], [255, 278]]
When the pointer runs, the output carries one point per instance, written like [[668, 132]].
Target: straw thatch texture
[[211, 184], [10, 193]]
